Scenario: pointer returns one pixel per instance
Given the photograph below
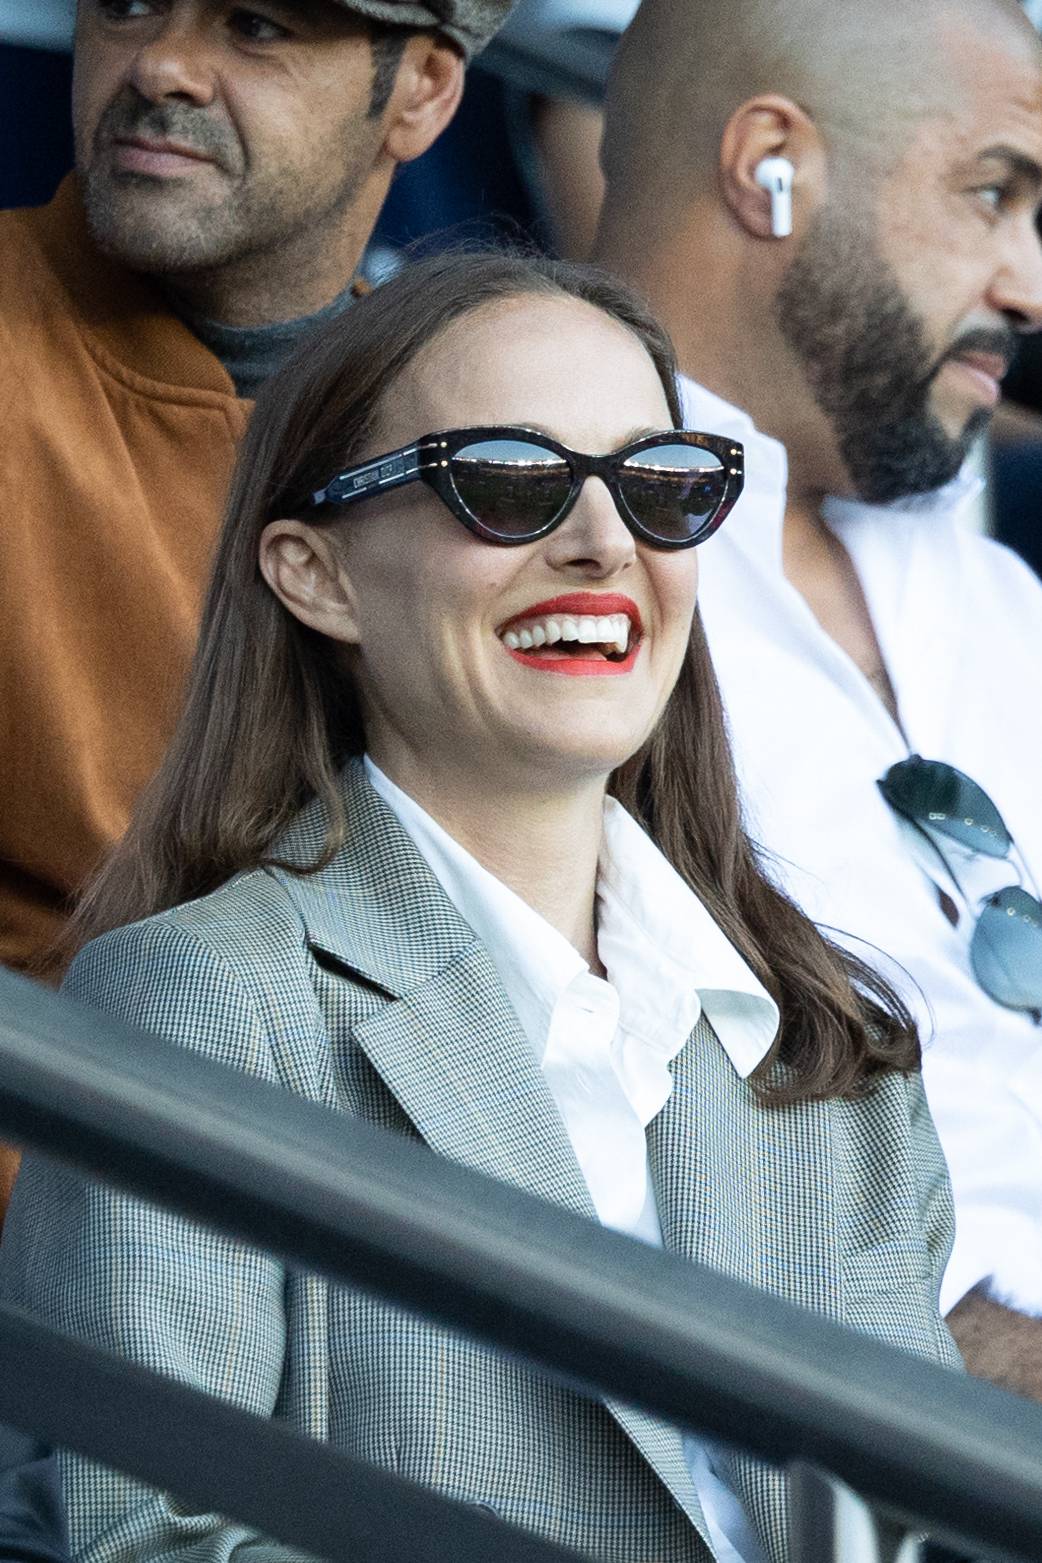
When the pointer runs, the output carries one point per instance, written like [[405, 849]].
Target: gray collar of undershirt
[[252, 353]]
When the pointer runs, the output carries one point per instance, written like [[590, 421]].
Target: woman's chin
[[581, 758]]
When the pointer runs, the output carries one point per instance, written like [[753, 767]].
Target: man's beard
[[870, 366], [163, 229], [149, 224]]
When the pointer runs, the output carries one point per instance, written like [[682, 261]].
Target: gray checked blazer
[[361, 987]]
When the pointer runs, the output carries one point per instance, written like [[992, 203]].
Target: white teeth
[[610, 630]]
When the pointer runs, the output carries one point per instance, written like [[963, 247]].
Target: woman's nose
[[593, 539]]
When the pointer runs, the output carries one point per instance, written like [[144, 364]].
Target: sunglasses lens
[[1006, 950], [513, 489], [942, 799], [673, 491]]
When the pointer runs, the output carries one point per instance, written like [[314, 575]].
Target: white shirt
[[605, 1046], [959, 622]]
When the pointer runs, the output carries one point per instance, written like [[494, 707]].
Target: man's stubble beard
[[164, 230], [145, 226], [869, 364]]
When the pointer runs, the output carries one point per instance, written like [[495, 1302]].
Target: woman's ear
[[426, 95], [765, 127], [308, 577]]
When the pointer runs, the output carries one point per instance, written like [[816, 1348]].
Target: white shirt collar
[[664, 954], [658, 942], [767, 475]]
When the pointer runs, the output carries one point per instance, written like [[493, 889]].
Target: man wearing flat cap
[[231, 160]]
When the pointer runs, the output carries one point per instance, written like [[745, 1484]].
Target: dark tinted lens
[[1006, 950], [513, 488], [943, 799], [673, 491]]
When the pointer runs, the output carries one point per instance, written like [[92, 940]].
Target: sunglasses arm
[[373, 477]]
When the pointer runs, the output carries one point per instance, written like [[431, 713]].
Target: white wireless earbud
[[776, 175]]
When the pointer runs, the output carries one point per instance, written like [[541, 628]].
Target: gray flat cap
[[469, 23]]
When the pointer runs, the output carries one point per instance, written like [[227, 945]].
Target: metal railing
[[219, 1459], [928, 1448]]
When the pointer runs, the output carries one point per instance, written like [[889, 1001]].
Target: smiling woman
[[398, 863], [379, 622]]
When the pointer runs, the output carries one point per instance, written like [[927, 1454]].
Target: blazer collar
[[376, 907], [448, 1046]]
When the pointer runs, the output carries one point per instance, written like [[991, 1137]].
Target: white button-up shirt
[[605, 1046], [959, 623]]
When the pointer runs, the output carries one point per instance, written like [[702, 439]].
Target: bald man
[[854, 618]]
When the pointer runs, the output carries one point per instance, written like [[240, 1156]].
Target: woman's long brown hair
[[271, 718]]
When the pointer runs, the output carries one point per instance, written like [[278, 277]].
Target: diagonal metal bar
[[222, 1460], [941, 1452]]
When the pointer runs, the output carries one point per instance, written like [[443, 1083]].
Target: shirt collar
[[938, 503], [534, 961], [660, 945], [664, 954], [767, 477]]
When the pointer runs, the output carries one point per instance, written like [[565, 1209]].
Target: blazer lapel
[[453, 1054], [448, 1044], [775, 1229]]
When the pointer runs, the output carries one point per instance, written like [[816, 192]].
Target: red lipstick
[[580, 605], [578, 667]]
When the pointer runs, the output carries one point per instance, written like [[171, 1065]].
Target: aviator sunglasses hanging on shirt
[[1006, 944], [513, 485]]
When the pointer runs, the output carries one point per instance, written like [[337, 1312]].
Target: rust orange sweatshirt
[[117, 435]]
